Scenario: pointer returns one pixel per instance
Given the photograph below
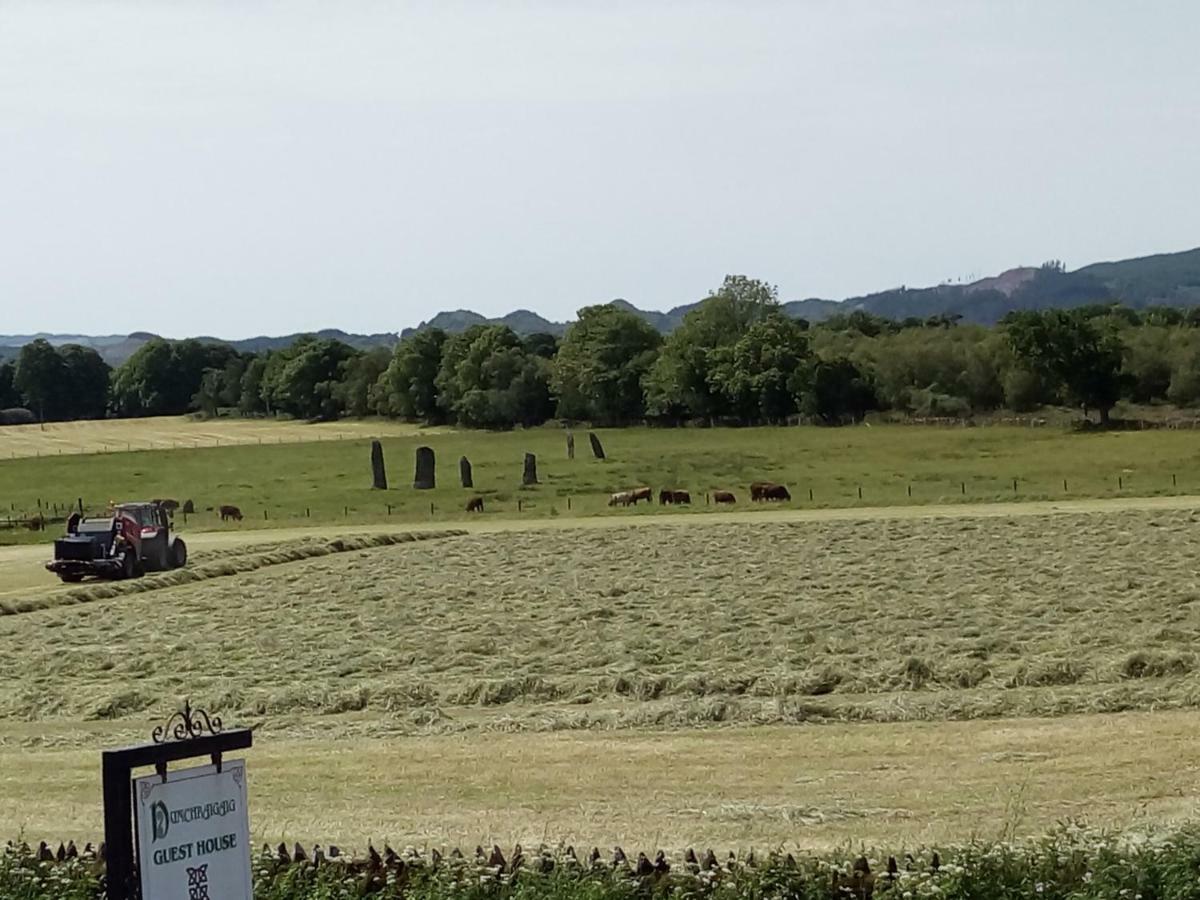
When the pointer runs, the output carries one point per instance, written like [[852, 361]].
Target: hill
[[1164, 279]]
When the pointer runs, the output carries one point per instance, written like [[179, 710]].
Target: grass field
[[757, 682], [179, 432], [329, 481]]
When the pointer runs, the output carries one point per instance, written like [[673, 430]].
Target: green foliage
[[599, 368], [1068, 349], [305, 379], [9, 395], [758, 375], [836, 391], [164, 378], [408, 388], [488, 380], [1068, 864], [679, 383], [70, 382]]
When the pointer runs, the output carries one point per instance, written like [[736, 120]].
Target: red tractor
[[134, 539]]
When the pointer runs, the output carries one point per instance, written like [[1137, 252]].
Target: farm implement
[[134, 539]]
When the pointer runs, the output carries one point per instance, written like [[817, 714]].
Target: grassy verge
[[1068, 864]]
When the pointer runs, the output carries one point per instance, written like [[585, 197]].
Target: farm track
[[21, 567]]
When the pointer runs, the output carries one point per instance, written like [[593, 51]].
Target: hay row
[[235, 563]]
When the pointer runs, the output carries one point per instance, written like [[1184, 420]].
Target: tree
[[488, 380], [252, 399], [1072, 352], [834, 391], [163, 378], [679, 382], [360, 376], [600, 365], [85, 383], [407, 389], [9, 395], [39, 378], [756, 376], [304, 380]]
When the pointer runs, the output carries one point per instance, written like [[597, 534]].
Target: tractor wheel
[[178, 554], [71, 578]]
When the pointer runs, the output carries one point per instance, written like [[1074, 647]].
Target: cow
[[724, 497], [169, 505], [642, 493], [680, 497], [230, 512], [621, 498], [665, 497], [475, 504], [767, 490]]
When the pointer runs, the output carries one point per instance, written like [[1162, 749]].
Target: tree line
[[735, 359]]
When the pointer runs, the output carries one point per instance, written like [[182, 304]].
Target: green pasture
[[329, 481]]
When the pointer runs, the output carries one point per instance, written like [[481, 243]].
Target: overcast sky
[[236, 168]]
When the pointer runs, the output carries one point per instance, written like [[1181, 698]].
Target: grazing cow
[[724, 497], [475, 504], [680, 497], [642, 493], [621, 498], [168, 505], [767, 490], [230, 512], [665, 497]]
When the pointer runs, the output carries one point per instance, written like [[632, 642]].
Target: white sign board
[[193, 834]]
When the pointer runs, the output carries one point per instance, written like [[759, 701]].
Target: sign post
[[201, 813]]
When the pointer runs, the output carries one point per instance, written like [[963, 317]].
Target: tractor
[[134, 538]]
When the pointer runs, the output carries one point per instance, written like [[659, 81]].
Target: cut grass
[[653, 628], [206, 566], [329, 482]]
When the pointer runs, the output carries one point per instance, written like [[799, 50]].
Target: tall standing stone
[[464, 471], [570, 445], [424, 479], [378, 472], [529, 476], [597, 448]]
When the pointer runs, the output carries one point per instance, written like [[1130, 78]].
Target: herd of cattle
[[759, 491]]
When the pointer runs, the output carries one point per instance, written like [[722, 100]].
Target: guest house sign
[[193, 833]]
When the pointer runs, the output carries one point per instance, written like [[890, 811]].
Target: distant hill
[[1165, 279]]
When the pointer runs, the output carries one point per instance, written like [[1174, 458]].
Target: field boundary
[[234, 564]]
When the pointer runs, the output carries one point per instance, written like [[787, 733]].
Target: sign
[[193, 833]]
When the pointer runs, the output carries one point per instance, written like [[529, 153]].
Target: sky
[[240, 168]]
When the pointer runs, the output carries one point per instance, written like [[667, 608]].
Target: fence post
[[568, 503], [1173, 483], [964, 489], [810, 495], [518, 504], [307, 512], [910, 490], [860, 492], [264, 514], [1120, 483], [389, 506], [1014, 485], [1064, 485]]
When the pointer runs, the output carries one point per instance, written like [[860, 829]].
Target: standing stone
[[423, 480], [530, 474], [378, 472], [570, 445], [464, 470], [597, 448]]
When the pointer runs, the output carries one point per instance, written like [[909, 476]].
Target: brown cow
[[642, 493], [230, 512], [475, 504], [621, 498], [680, 497], [724, 497]]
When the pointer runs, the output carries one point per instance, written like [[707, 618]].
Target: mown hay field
[[690, 680], [329, 481]]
